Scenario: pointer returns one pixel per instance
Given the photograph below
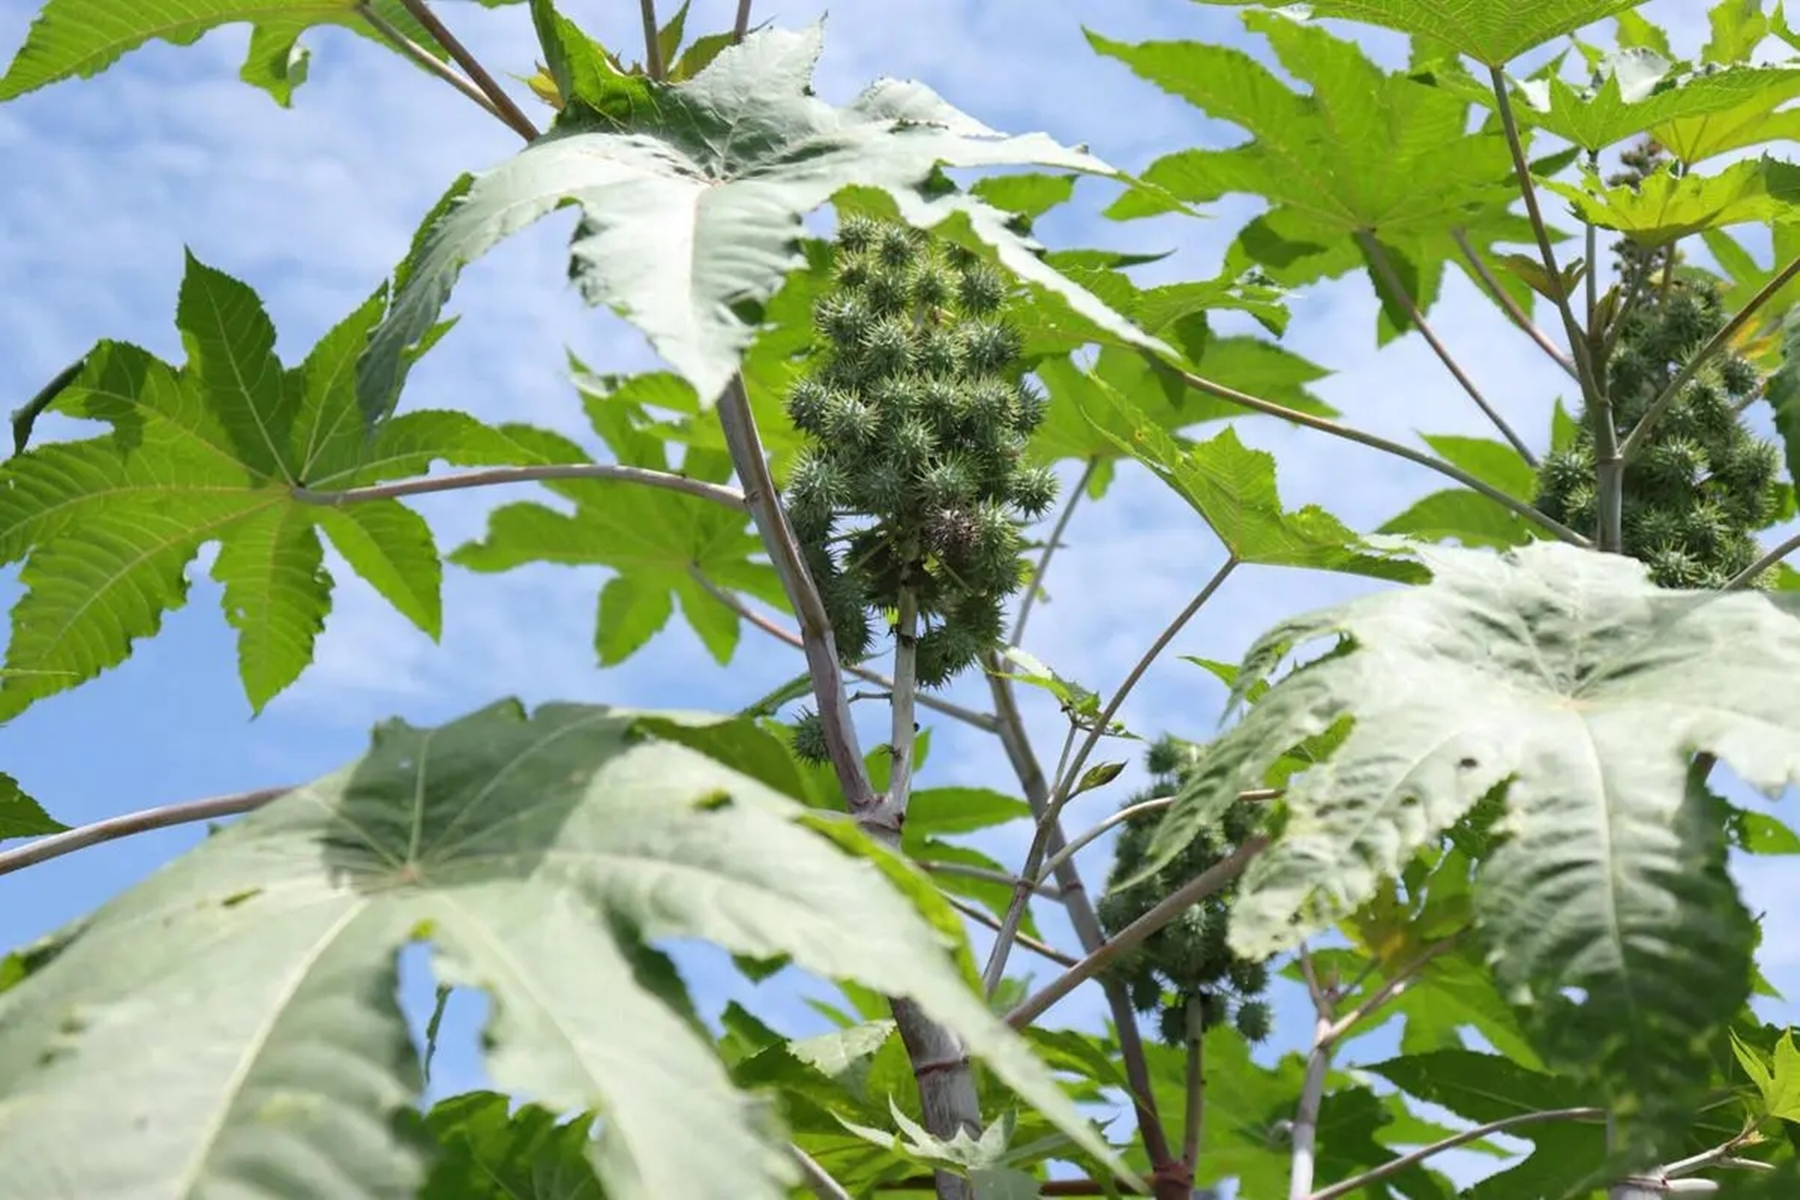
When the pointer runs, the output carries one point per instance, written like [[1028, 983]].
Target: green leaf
[[1362, 151], [488, 1152], [535, 853], [1636, 32], [1459, 515], [1744, 277], [229, 448], [20, 815], [1490, 33], [1030, 195], [81, 38], [947, 811], [662, 543], [1738, 27], [1233, 488], [1782, 390], [692, 203], [1586, 690], [1666, 207]]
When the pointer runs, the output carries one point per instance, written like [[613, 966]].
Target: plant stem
[[1511, 306], [982, 916], [1384, 267], [1610, 469], [719, 493], [741, 26], [1064, 788], [817, 641], [1082, 917], [1171, 906], [1312, 1088], [653, 63], [1634, 444], [818, 1179], [1048, 891], [1394, 1166], [968, 716], [1196, 1087], [1748, 575], [906, 686], [504, 107], [1141, 808], [425, 58], [1036, 582], [1374, 442], [111, 829], [1401, 980]]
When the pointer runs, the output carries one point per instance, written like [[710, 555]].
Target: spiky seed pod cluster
[[1704, 483], [1189, 959], [914, 475]]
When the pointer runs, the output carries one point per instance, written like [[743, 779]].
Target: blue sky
[[313, 206]]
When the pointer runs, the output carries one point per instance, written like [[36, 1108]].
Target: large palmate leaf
[[1458, 514], [1566, 676], [231, 448], [1364, 152], [541, 856], [1491, 33], [81, 38], [1744, 277], [1666, 207], [692, 197], [488, 1152], [1233, 488]]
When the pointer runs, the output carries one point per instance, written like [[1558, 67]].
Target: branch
[[1036, 582], [1374, 442], [1397, 1165], [1173, 905], [1610, 474], [425, 58], [1082, 917], [903, 728], [1748, 575], [508, 111], [1064, 787], [1511, 306], [741, 26], [982, 916], [653, 63], [968, 716], [1142, 807], [817, 641], [1196, 1086], [1402, 979], [1634, 444], [1384, 267], [718, 493], [1305, 1129], [113, 828], [817, 1178], [1048, 891]]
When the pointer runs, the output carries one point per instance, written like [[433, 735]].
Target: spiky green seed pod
[[1254, 1020], [809, 737], [981, 290]]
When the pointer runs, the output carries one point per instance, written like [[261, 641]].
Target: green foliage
[[533, 852], [81, 38], [1186, 971], [736, 156], [230, 447], [487, 1152], [20, 815], [1584, 689]]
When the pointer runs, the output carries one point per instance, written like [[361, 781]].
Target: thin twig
[[982, 916], [1506, 302], [1401, 980], [1384, 267], [653, 63], [425, 58], [718, 493], [985, 722], [506, 109], [1081, 840], [1374, 442], [1036, 582], [986, 874], [1748, 575], [817, 1178], [1396, 1165], [1127, 939], [1063, 788], [113, 828], [1640, 434]]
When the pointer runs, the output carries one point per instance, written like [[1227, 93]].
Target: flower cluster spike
[[1704, 483], [914, 477], [1189, 959]]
